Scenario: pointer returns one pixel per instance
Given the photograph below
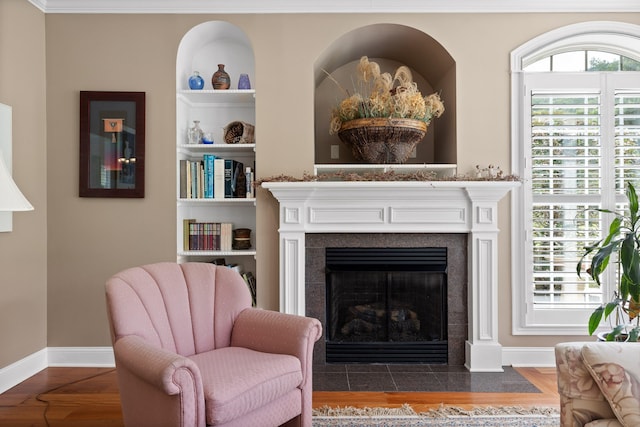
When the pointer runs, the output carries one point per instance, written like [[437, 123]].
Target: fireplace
[[386, 305], [468, 208]]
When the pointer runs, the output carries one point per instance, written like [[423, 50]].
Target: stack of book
[[212, 177], [248, 277], [250, 280], [207, 236]]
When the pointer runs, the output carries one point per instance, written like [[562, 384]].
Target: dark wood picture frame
[[112, 144]]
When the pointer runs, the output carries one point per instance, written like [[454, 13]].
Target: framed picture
[[112, 144]]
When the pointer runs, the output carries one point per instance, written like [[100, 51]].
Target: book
[[194, 179], [183, 178], [250, 280], [226, 236], [228, 177], [185, 233], [218, 178], [208, 175]]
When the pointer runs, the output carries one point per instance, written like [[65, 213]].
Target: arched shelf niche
[[390, 45], [211, 43]]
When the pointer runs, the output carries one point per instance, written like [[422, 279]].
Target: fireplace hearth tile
[[330, 382], [417, 378], [410, 368], [416, 381], [371, 381], [365, 368]]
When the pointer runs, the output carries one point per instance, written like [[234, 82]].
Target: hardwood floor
[[88, 397]]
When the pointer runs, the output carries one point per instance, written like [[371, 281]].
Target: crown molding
[[335, 6]]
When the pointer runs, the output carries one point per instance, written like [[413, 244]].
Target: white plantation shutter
[[582, 145], [627, 137]]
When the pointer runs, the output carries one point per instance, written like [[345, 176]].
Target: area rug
[[445, 416]]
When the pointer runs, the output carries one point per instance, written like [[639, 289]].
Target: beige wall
[[23, 252], [89, 239]]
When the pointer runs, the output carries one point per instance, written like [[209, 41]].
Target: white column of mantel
[[292, 258], [483, 352]]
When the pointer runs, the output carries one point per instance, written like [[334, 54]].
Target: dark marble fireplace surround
[[456, 244]]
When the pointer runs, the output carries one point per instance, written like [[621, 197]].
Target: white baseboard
[[94, 357], [528, 357], [102, 357], [19, 371]]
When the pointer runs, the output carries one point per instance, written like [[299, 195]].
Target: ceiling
[[334, 6]]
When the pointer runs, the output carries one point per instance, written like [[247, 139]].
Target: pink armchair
[[190, 350]]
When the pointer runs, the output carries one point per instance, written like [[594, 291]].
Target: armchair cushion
[[238, 380], [616, 370]]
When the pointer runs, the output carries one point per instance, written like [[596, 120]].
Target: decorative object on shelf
[[392, 107], [243, 82], [195, 133], [242, 238], [207, 138], [220, 79], [390, 175], [112, 136], [382, 140], [196, 82], [490, 172], [239, 133]]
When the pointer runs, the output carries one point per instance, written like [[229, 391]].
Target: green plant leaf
[[600, 260], [632, 197], [610, 307], [595, 319], [634, 334], [611, 336]]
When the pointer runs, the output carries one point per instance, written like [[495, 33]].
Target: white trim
[[102, 357], [537, 357], [582, 34], [22, 369], [334, 6], [94, 357], [401, 207]]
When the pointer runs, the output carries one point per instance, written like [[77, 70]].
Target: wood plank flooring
[[88, 397]]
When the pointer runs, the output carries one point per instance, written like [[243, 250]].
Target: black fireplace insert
[[386, 305]]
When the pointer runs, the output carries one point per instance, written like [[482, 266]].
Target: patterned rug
[[445, 416]]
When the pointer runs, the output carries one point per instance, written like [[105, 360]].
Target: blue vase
[[243, 82], [196, 82]]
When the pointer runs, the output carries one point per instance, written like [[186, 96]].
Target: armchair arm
[[580, 398], [157, 386], [158, 367], [274, 332]]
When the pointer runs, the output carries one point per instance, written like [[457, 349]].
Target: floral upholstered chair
[[190, 350], [599, 384]]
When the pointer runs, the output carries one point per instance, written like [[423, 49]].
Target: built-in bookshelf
[[211, 178]]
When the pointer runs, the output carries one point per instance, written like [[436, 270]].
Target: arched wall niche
[[211, 43], [390, 45]]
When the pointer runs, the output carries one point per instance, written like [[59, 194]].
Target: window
[[576, 142], [584, 60]]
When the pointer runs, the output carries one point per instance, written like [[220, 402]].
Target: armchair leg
[[293, 422]]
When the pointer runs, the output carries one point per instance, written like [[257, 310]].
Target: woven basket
[[239, 133], [382, 140]]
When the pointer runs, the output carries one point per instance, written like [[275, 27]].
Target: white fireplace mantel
[[395, 207]]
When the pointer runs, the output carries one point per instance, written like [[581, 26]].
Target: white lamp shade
[[11, 199]]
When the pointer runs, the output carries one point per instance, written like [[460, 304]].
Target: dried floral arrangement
[[382, 95], [383, 176]]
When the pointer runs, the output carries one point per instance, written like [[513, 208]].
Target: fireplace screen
[[386, 305]]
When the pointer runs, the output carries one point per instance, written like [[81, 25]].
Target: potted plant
[[621, 246], [386, 116]]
